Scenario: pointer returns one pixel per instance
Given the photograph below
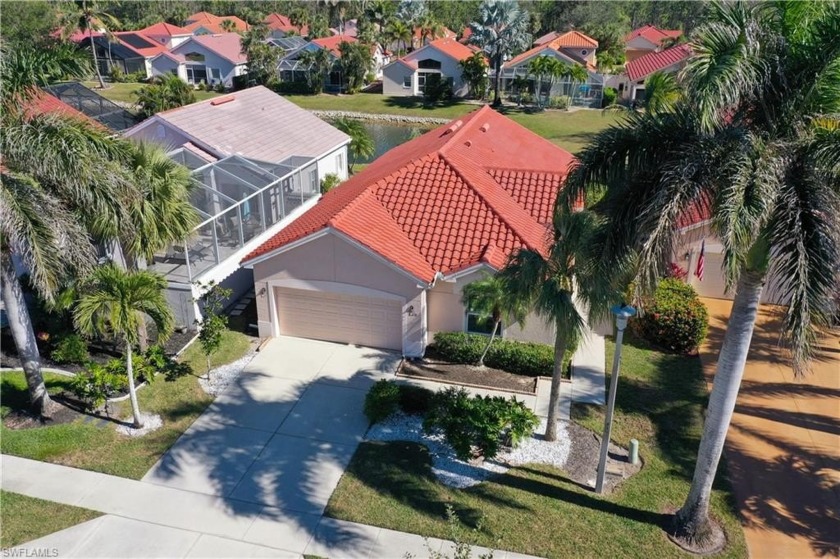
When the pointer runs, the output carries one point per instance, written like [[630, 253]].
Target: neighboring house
[[571, 48], [205, 23], [281, 26], [292, 69], [631, 84], [406, 76], [93, 105], [258, 160], [382, 259], [211, 59], [129, 51], [647, 39], [419, 40], [166, 34]]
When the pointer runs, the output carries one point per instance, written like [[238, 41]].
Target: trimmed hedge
[[674, 317], [520, 358]]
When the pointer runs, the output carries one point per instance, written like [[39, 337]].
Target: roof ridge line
[[461, 129]]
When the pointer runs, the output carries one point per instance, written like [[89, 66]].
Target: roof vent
[[223, 100], [485, 127], [468, 143]]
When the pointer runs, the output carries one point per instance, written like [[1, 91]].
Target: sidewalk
[[147, 520]]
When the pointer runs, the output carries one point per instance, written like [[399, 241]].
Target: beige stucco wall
[[392, 80]]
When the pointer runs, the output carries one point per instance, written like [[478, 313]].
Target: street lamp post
[[622, 314]]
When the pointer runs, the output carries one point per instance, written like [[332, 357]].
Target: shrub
[[329, 182], [674, 317], [219, 87], [70, 349], [521, 358], [437, 89], [136, 77], [526, 98], [382, 400], [562, 102], [157, 361], [610, 96], [676, 271], [116, 74], [478, 426], [415, 399], [293, 88], [97, 383]]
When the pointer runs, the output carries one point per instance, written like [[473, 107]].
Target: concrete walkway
[[783, 447]]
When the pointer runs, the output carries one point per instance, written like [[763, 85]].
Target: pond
[[387, 135]]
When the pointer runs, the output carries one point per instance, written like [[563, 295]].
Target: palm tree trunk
[[691, 524], [489, 343], [93, 52], [556, 382], [132, 392], [27, 346], [497, 100]]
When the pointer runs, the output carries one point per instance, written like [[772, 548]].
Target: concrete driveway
[[283, 434], [783, 447]]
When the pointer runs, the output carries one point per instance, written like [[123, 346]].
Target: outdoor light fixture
[[410, 311], [262, 291], [622, 314]]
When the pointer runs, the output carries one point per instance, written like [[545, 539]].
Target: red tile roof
[[163, 29], [42, 102], [697, 213], [652, 34], [654, 61], [213, 23], [131, 40], [574, 39], [536, 51], [279, 22], [547, 38], [468, 192], [332, 43], [451, 48]]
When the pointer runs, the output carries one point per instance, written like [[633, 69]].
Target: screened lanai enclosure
[[237, 200], [587, 94]]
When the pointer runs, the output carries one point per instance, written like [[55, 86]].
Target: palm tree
[[115, 301], [61, 184], [550, 283], [544, 68], [491, 297], [361, 141], [318, 64], [662, 91], [164, 92], [228, 26], [399, 32], [501, 30], [750, 145], [86, 16], [429, 28]]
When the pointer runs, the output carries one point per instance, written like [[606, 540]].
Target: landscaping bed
[[432, 367], [547, 511]]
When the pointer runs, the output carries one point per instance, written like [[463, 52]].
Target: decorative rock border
[[396, 119]]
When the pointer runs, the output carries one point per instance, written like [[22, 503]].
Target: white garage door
[[339, 317]]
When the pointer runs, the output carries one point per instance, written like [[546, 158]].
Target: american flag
[[701, 261]]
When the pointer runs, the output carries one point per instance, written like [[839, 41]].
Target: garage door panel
[[355, 319]]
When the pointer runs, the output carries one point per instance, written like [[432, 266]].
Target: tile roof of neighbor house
[[655, 61], [547, 38], [652, 34], [332, 43], [42, 102], [279, 22], [213, 23], [163, 29], [518, 59], [255, 123], [140, 43], [451, 48], [574, 39], [226, 45], [471, 191]]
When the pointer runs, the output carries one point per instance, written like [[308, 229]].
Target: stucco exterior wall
[[227, 68], [330, 164], [392, 80], [393, 74]]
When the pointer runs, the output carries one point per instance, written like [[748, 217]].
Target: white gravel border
[[150, 423], [224, 376], [456, 473]]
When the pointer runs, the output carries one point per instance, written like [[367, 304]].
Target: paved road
[[783, 448]]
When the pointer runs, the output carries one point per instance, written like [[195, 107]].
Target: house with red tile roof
[[406, 76], [280, 26], [166, 34], [205, 23], [381, 260], [211, 59], [128, 51], [670, 60], [647, 39], [573, 43]]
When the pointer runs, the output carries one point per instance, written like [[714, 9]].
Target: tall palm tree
[[115, 301], [751, 146], [429, 29], [551, 283], [87, 17], [399, 32], [228, 26], [501, 30], [544, 68], [361, 141], [318, 63], [492, 298], [61, 184], [662, 91]]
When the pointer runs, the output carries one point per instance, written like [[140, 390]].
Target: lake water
[[387, 136]]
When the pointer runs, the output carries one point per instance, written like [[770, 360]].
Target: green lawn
[[569, 130], [101, 448], [25, 518], [123, 92], [536, 509], [234, 345]]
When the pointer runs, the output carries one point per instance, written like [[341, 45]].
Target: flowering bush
[[674, 318], [676, 271]]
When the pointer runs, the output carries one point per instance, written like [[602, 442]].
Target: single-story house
[[647, 39], [631, 84], [406, 76], [291, 68], [166, 34], [382, 259], [205, 23], [210, 59], [280, 26], [257, 160], [130, 51], [574, 44]]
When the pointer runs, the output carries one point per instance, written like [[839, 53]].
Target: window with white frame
[[216, 74], [407, 82]]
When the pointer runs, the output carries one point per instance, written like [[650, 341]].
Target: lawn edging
[[400, 119]]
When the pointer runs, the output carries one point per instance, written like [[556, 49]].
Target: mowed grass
[[124, 92], [234, 345], [25, 518], [537, 509], [100, 448], [570, 130]]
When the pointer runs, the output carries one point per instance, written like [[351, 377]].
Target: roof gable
[[450, 199], [448, 47], [542, 50], [225, 45], [574, 39], [332, 43], [163, 29], [654, 61], [652, 34]]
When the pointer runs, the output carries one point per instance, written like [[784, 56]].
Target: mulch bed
[[66, 410], [432, 368], [582, 464]]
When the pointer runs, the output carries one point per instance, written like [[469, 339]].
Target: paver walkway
[[783, 447]]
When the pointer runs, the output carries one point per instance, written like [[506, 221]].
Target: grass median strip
[[25, 518]]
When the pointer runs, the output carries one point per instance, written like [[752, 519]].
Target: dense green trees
[[164, 92], [361, 142]]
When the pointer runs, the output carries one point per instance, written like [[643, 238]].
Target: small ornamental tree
[[474, 72], [214, 324]]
